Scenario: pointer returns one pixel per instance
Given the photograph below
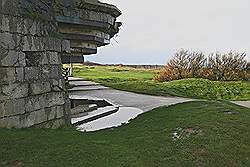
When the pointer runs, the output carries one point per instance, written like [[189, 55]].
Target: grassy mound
[[193, 88], [189, 134], [203, 88]]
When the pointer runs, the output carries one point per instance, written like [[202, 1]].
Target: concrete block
[[32, 73], [10, 122], [3, 97], [11, 24], [12, 58], [44, 59], [11, 75], [9, 7], [46, 72], [37, 102], [58, 84], [12, 107], [53, 124], [51, 72], [7, 75], [33, 44], [10, 41], [59, 110], [51, 113], [32, 118], [55, 112], [66, 46], [54, 58], [52, 44], [32, 27], [40, 88], [25, 120], [34, 103], [17, 90], [58, 123], [33, 59], [19, 71], [4, 23], [55, 99]]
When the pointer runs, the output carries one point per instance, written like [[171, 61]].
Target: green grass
[[221, 139], [107, 72], [141, 81]]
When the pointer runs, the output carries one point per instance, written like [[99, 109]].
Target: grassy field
[[141, 81], [189, 134]]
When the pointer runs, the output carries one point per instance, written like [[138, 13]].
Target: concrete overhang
[[87, 24]]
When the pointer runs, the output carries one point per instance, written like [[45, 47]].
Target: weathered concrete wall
[[34, 34], [32, 89], [88, 24]]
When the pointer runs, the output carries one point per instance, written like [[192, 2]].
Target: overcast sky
[[153, 30]]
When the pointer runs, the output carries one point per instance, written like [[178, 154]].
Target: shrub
[[230, 66]]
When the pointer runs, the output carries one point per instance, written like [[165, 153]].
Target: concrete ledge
[[33, 118]]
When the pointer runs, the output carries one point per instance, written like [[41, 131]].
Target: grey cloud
[[154, 30]]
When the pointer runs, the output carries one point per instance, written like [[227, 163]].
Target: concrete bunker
[[36, 37]]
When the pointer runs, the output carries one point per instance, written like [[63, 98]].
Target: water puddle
[[122, 116]]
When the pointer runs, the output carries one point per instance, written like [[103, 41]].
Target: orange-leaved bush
[[230, 66]]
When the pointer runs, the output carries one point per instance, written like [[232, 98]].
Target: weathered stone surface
[[30, 119], [44, 59], [32, 73], [11, 75], [15, 90], [55, 112], [32, 88], [10, 41], [12, 107], [19, 74], [10, 122], [9, 7], [33, 44], [37, 59], [54, 58], [32, 27], [10, 58], [40, 88], [85, 14], [51, 72], [33, 59], [66, 46], [55, 98], [7, 75], [25, 120], [58, 85], [44, 101], [4, 23], [10, 23], [53, 124], [52, 44], [59, 111]]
